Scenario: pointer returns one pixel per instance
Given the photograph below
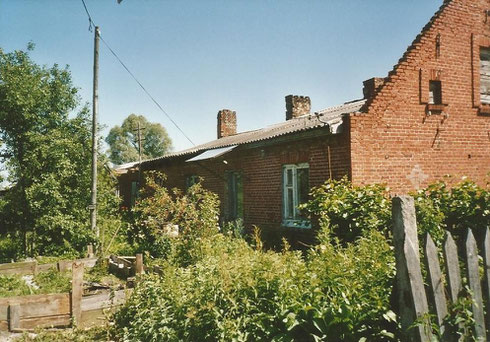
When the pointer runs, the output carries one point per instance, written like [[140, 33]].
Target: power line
[[92, 23], [146, 91]]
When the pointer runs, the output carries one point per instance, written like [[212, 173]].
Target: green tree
[[46, 149], [123, 140]]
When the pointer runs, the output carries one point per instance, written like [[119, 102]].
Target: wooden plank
[[66, 265], [46, 267], [486, 284], [14, 317], [51, 306], [56, 321], [27, 267], [123, 260], [4, 325], [77, 291], [104, 300], [23, 264], [475, 286], [30, 299], [92, 318], [435, 281], [412, 300], [139, 264], [95, 317], [452, 266], [89, 262], [4, 310]]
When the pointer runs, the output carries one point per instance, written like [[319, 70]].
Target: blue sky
[[197, 57]]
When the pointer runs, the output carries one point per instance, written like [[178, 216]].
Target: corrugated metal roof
[[123, 167], [331, 117], [209, 154]]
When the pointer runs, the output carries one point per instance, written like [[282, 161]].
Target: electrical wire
[[92, 23]]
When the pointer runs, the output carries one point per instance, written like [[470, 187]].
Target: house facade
[[430, 117]]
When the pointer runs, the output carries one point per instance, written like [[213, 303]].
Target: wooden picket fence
[[420, 305]]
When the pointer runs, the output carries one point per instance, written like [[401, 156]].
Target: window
[[485, 75], [234, 187], [295, 192], [191, 180], [134, 192], [435, 92]]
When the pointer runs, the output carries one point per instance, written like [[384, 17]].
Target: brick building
[[428, 118]]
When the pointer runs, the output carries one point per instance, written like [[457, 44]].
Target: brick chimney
[[226, 123], [297, 106], [371, 86]]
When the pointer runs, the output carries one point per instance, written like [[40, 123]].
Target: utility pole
[[95, 109], [139, 152]]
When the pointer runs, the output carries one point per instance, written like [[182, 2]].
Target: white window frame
[[296, 221]]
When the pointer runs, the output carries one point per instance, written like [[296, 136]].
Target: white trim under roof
[[212, 153]]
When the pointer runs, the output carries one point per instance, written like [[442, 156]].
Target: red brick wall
[[262, 177], [395, 142]]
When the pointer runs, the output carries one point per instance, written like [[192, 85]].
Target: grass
[[74, 334], [50, 281]]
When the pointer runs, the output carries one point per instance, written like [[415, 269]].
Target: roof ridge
[[301, 123], [345, 104]]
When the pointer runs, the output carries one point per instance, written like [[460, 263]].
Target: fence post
[[475, 286], [452, 265], [436, 283], [411, 293], [486, 262], [90, 251], [139, 263], [76, 292], [14, 317]]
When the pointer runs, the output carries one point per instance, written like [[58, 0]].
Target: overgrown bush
[[457, 208], [339, 290], [347, 211], [195, 212], [239, 293], [10, 248], [350, 288], [50, 281]]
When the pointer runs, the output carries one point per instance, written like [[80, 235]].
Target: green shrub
[[10, 249], [238, 293], [195, 212], [348, 210], [13, 285], [339, 290], [350, 288], [457, 208], [50, 281], [233, 293], [96, 333]]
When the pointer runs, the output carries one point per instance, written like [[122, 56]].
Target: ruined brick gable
[[395, 141]]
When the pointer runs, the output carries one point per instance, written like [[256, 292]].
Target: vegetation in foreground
[[217, 287], [76, 335]]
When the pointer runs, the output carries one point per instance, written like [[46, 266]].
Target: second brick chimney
[[297, 106], [226, 123], [371, 86]]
